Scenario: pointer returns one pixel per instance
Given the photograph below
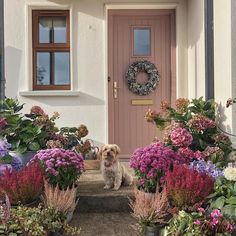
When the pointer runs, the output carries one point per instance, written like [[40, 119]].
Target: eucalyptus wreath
[[153, 77]]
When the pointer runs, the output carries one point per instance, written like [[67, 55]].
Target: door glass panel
[[45, 25], [62, 68], [43, 68], [142, 42], [59, 26]]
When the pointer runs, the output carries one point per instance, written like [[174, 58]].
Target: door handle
[[115, 90]]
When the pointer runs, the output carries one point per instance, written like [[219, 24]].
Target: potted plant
[[23, 186], [224, 195], [62, 168], [200, 223], [26, 133], [190, 129], [188, 189], [151, 163], [151, 212], [37, 221]]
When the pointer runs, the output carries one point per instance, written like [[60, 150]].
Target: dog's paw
[[107, 187], [116, 188]]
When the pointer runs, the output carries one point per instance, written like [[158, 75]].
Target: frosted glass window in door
[[142, 42]]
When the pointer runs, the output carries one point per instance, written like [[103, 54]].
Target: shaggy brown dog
[[114, 173]]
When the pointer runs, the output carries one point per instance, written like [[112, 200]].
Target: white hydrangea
[[230, 173]]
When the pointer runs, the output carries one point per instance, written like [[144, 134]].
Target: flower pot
[[152, 231], [25, 157], [56, 233]]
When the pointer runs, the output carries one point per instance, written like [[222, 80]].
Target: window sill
[[49, 93]]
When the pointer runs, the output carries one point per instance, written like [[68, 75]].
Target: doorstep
[[94, 199]]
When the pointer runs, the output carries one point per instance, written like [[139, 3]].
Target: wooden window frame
[[49, 47]]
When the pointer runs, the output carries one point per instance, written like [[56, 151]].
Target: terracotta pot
[[25, 157]]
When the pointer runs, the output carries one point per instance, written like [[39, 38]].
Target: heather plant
[[152, 163], [150, 210], [191, 130], [23, 186], [187, 188], [200, 223], [61, 167]]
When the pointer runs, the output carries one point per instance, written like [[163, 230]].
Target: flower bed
[[192, 166]]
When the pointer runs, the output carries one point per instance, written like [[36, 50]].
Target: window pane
[[43, 68], [59, 26], [142, 45], [45, 25], [62, 68]]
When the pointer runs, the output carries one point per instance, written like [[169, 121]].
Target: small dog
[[114, 173]]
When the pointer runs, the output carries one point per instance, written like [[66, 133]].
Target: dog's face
[[109, 152]]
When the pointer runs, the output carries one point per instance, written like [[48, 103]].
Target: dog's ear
[[117, 148], [101, 150]]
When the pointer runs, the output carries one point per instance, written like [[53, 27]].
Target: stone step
[[94, 199]]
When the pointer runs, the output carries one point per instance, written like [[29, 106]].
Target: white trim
[[28, 41], [49, 93], [122, 6]]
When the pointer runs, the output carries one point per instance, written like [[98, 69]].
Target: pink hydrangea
[[199, 155], [200, 123], [186, 152], [216, 213], [180, 137], [197, 222]]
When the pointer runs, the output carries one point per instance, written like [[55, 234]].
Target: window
[[142, 41], [51, 50]]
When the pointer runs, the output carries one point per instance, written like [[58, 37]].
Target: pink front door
[[135, 35]]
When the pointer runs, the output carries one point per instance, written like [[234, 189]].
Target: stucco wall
[[223, 66], [196, 48], [89, 56]]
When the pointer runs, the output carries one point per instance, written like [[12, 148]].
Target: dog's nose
[[108, 153]]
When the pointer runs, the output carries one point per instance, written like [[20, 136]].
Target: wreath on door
[[153, 77]]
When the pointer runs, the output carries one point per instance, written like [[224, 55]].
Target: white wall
[[88, 47], [196, 49], [222, 51]]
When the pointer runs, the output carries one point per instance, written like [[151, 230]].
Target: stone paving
[[103, 212], [105, 224]]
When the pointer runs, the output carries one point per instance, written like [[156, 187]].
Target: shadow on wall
[[82, 100], [13, 60], [221, 118]]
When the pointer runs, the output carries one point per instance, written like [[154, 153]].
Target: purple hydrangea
[[4, 147], [4, 167], [16, 163], [206, 167]]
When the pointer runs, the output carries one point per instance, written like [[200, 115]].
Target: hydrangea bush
[[191, 130], [152, 163], [62, 167]]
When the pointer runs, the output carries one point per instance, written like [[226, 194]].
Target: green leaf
[[231, 200], [218, 203], [34, 146]]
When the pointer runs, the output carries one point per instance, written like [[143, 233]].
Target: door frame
[[110, 13]]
